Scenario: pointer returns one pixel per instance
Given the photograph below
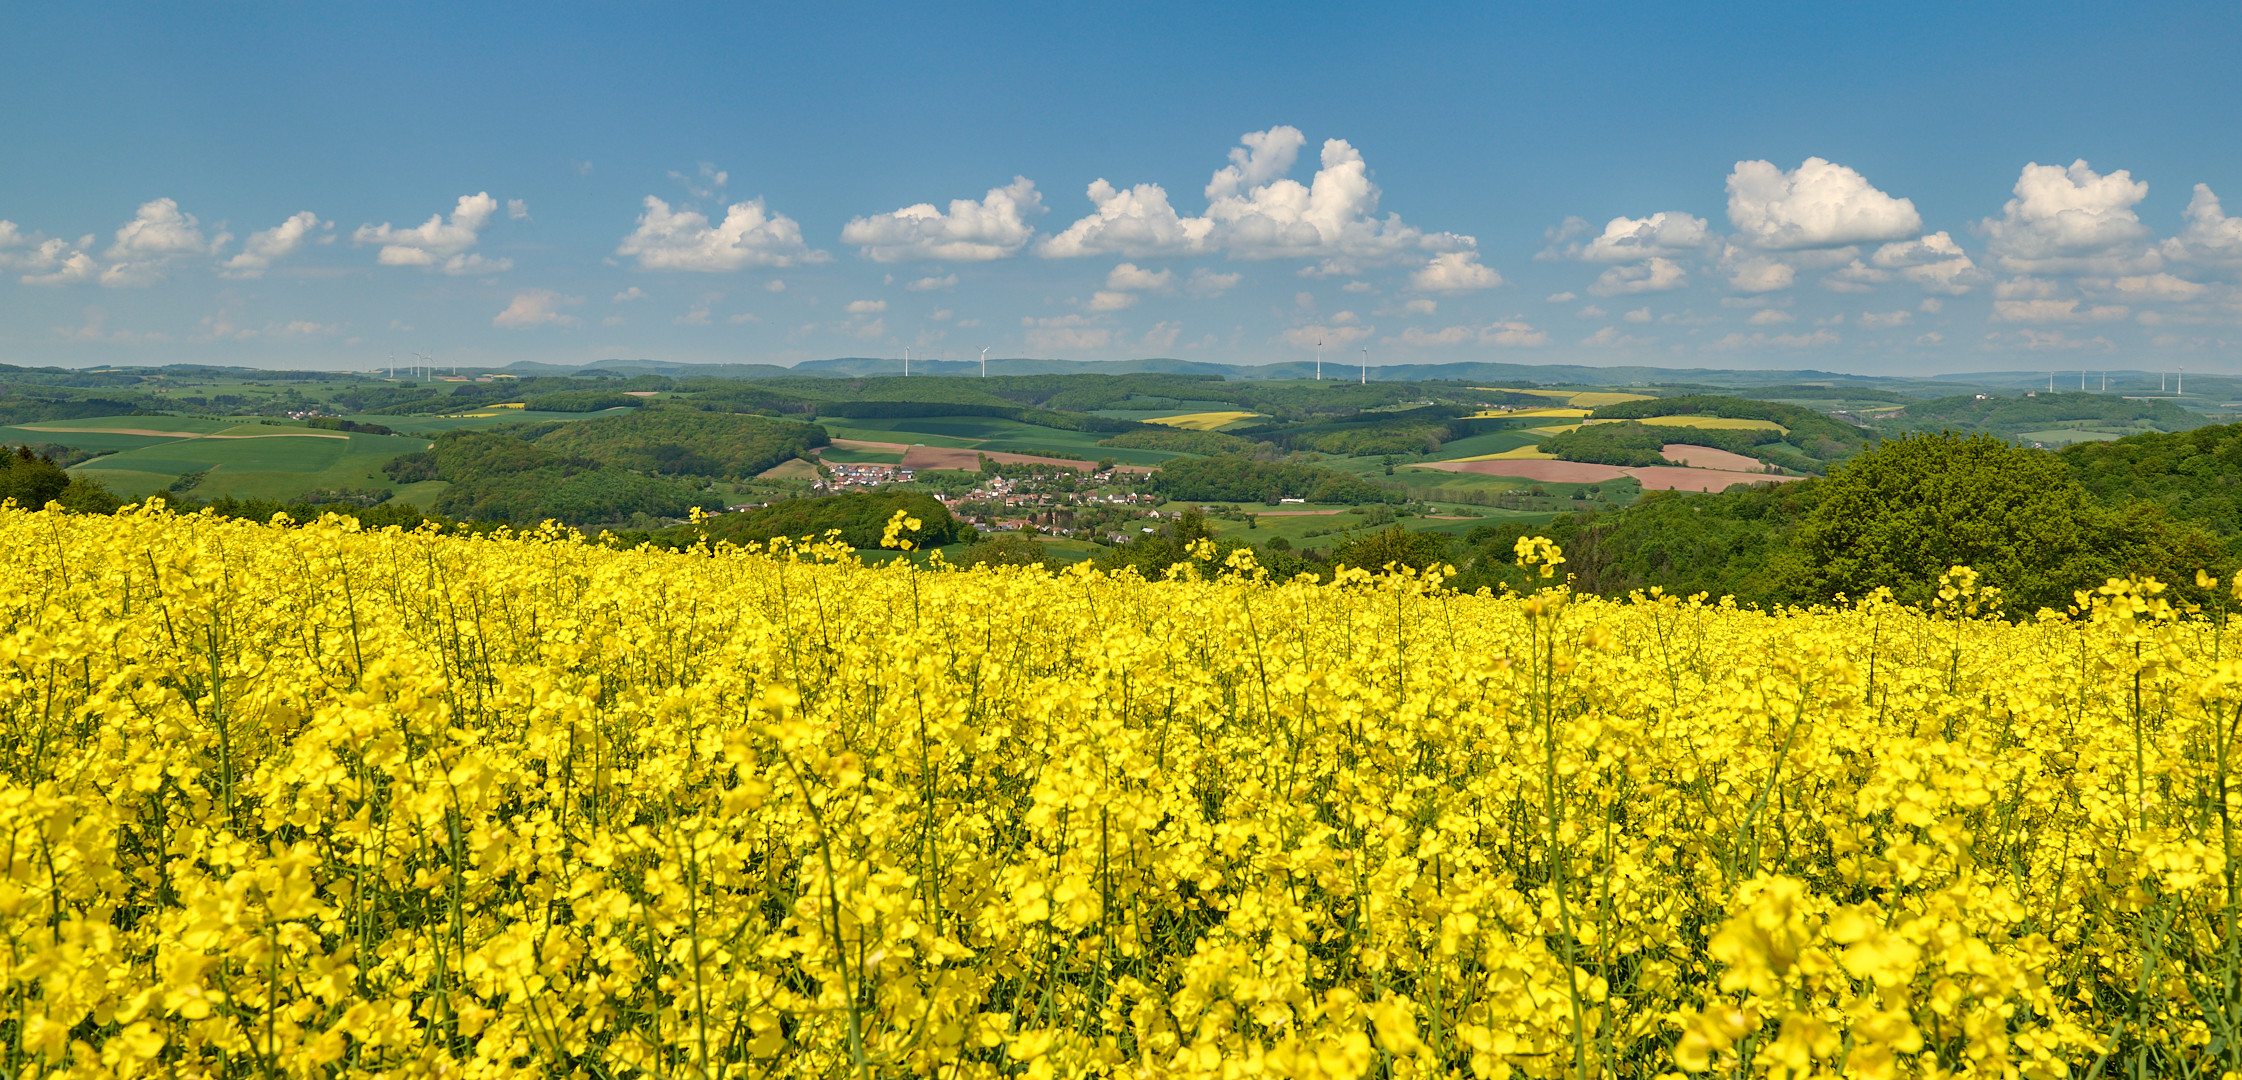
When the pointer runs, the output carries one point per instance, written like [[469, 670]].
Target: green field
[[482, 418], [873, 430], [990, 433], [256, 461], [2067, 436], [95, 442], [1493, 442], [842, 455]]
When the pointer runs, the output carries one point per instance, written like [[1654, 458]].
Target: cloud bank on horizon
[[2066, 255]]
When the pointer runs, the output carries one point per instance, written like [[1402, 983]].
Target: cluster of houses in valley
[[845, 475], [1014, 503]]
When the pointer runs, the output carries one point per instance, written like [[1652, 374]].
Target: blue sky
[[1875, 188]]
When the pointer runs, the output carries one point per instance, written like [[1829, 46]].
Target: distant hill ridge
[[1469, 371]]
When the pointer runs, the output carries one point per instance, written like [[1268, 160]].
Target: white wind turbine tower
[[1366, 365], [906, 361], [1319, 357], [984, 361]]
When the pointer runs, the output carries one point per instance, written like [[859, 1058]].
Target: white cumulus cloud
[[1819, 204], [749, 235], [2211, 238], [1509, 333], [158, 230], [268, 246], [438, 243], [932, 284], [537, 307], [1129, 277], [993, 228], [866, 307], [157, 233], [57, 262], [1651, 275], [1666, 233], [1256, 211], [2158, 287], [1137, 221], [2056, 311], [2072, 221], [1454, 272], [1934, 262], [1108, 300], [1756, 272]]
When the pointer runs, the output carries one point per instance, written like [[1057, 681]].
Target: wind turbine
[[1319, 357], [984, 361], [1366, 365], [906, 361]]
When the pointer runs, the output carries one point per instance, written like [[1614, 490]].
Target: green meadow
[[244, 460]]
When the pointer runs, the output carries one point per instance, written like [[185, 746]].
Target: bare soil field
[[1677, 478], [1706, 457], [1653, 478], [1549, 471]]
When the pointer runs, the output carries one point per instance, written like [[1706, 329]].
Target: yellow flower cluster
[[315, 802]]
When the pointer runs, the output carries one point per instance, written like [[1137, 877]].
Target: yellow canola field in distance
[[1596, 399], [1499, 414], [1726, 422], [1585, 399], [317, 801], [1202, 421], [1527, 452]]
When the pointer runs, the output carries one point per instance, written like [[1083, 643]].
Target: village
[[1032, 499]]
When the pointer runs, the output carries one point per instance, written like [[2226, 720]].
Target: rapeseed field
[[320, 802]]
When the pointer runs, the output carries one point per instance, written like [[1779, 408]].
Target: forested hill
[[2039, 525], [1817, 438], [2193, 475], [1969, 413]]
